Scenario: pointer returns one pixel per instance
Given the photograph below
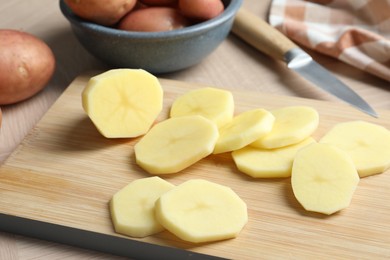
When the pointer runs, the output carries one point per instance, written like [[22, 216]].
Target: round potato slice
[[132, 208], [213, 103], [323, 178], [268, 163], [292, 125], [175, 144], [368, 145], [243, 129], [202, 211]]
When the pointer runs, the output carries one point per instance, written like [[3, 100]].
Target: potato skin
[[26, 64], [159, 2], [103, 12], [153, 19], [201, 9]]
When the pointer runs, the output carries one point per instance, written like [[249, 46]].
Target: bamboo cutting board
[[58, 182]]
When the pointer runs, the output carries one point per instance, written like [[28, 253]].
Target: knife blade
[[272, 42]]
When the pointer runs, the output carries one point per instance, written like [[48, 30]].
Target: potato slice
[[368, 145], [202, 211], [268, 163], [213, 103], [292, 125], [244, 129], [323, 178], [132, 208], [123, 103], [176, 143]]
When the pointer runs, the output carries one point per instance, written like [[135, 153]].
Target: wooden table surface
[[234, 65]]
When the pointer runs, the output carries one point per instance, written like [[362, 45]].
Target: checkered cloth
[[356, 32]]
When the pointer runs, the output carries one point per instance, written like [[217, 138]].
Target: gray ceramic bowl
[[156, 52]]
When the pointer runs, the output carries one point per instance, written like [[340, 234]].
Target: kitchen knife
[[269, 40]]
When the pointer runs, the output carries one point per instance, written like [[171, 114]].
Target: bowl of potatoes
[[159, 36]]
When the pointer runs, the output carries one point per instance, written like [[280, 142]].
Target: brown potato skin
[[103, 12], [26, 64], [201, 9], [159, 2], [153, 19]]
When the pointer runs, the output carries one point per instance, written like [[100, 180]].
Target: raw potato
[[153, 19], [201, 9], [26, 63], [175, 144], [268, 163], [159, 2], [104, 12], [213, 103], [132, 208], [201, 211], [123, 103], [368, 145], [323, 178], [292, 125], [243, 130]]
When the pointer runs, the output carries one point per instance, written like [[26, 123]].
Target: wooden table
[[234, 65]]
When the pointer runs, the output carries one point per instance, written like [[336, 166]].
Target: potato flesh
[[132, 208], [323, 178], [244, 129], [268, 163], [368, 145], [176, 143], [215, 104], [123, 103], [292, 125], [201, 211]]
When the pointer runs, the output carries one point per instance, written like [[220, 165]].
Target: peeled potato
[[323, 178], [175, 144], [243, 129], [201, 211], [214, 104], [268, 163], [104, 12], [292, 125], [123, 103], [26, 64], [368, 145], [153, 19], [132, 208]]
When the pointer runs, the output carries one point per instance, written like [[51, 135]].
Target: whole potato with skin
[[153, 19], [159, 2], [103, 12], [26, 65], [201, 9]]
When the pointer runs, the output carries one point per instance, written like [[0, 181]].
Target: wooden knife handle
[[261, 35]]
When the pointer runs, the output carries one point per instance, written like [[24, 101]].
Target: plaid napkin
[[356, 32]]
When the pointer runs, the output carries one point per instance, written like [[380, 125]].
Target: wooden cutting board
[[58, 182]]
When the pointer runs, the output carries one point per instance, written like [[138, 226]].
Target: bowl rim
[[199, 28]]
